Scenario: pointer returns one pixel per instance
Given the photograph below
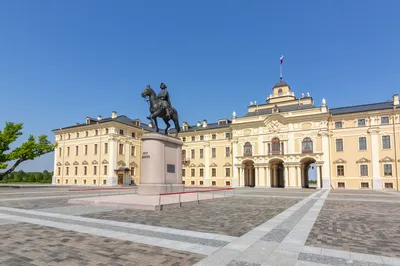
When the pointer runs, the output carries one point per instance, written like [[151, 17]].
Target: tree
[[29, 150]]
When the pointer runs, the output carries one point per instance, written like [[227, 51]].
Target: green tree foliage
[[29, 150], [29, 177]]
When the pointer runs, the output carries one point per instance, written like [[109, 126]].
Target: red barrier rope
[[87, 189], [195, 191]]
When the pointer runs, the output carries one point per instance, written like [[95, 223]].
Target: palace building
[[285, 142]]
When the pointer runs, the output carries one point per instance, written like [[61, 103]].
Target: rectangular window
[[227, 135], [227, 151], [385, 142], [76, 150], [183, 182], [201, 172], [133, 151], [94, 181], [340, 170], [59, 170], [364, 185], [361, 122], [134, 135], [85, 170], [388, 185], [66, 181], [95, 148], [58, 181], [67, 171], [339, 144], [106, 130], [76, 170], [214, 136], [105, 170], [193, 138], [192, 172], [133, 171], [84, 181], [59, 152], [104, 182], [201, 183], [75, 182], [213, 183], [96, 132], [387, 169], [94, 170], [362, 143], [121, 132], [193, 154], [341, 184], [201, 137], [184, 139], [364, 170], [214, 152], [67, 151], [192, 183], [105, 147], [338, 124], [201, 153], [227, 172], [85, 149], [183, 172], [384, 120], [213, 172], [227, 183], [121, 148]]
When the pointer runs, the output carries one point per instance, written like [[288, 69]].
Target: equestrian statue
[[160, 106]]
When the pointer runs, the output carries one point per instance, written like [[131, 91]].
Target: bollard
[[198, 198], [180, 201]]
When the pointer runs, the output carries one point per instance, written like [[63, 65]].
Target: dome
[[281, 84]]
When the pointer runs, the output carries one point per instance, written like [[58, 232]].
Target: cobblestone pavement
[[35, 203], [364, 227], [29, 244], [232, 216]]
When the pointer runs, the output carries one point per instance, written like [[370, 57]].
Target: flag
[[281, 59]]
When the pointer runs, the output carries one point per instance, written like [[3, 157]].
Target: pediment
[[227, 164], [275, 123], [85, 163], [133, 164], [363, 160], [94, 162], [121, 163], [76, 163], [201, 165], [340, 160], [59, 164], [104, 161], [387, 159], [192, 165], [213, 165], [67, 163]]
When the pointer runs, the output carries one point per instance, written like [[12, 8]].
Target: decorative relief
[[104, 161], [76, 163], [85, 163], [227, 164], [247, 132], [213, 165], [340, 160], [59, 164], [363, 160], [192, 165], [94, 162], [306, 125], [121, 163], [67, 163], [133, 164], [387, 159], [201, 165]]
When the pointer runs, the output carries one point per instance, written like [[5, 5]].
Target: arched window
[[247, 149], [280, 92], [307, 145], [276, 146]]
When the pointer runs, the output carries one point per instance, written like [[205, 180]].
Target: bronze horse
[[156, 110]]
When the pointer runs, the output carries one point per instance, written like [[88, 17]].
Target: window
[[214, 136], [106, 130], [201, 153], [76, 170], [247, 149], [105, 170], [193, 138], [201, 172], [387, 169], [307, 145], [94, 181], [95, 148], [361, 122], [201, 137], [227, 135], [227, 183], [67, 171], [67, 151], [121, 132], [280, 92], [77, 134], [85, 170], [341, 184], [58, 181], [76, 150], [227, 172], [388, 185], [105, 147], [121, 148], [184, 139], [85, 149], [133, 151], [133, 171], [213, 172], [364, 170], [339, 144], [84, 181], [69, 136], [59, 170], [362, 143], [214, 152], [66, 181], [213, 183], [94, 170], [75, 181], [338, 124], [96, 132], [183, 182], [59, 152], [227, 151], [104, 182], [276, 146], [192, 172], [385, 142], [364, 185], [201, 182], [193, 153], [340, 170], [183, 172], [87, 133], [192, 183], [385, 120], [134, 135]]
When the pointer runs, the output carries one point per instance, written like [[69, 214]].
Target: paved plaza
[[250, 227]]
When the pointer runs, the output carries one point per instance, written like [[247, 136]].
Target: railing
[[97, 191]]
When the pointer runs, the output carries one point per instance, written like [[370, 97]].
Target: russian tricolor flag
[[281, 59]]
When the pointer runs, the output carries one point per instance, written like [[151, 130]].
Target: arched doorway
[[277, 174], [308, 173], [249, 174]]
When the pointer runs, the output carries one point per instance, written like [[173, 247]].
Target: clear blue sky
[[61, 61]]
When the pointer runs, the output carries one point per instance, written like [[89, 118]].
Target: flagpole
[[280, 66]]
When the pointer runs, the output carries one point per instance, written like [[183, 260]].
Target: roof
[[123, 119], [361, 108], [199, 128], [286, 108], [280, 84]]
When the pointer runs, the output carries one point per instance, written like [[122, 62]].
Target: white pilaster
[[207, 166], [376, 177], [292, 177], [291, 143], [112, 162], [318, 177], [55, 172], [241, 177], [326, 170], [235, 180], [298, 168], [261, 176], [286, 176], [268, 176], [257, 177]]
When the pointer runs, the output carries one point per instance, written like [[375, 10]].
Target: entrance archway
[[308, 173], [249, 174], [277, 173]]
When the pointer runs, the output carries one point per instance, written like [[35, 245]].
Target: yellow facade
[[285, 142]]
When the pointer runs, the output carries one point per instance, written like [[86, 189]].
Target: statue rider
[[165, 101]]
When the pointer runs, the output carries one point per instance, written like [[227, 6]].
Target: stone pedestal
[[161, 167]]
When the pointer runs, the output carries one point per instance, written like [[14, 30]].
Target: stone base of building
[[326, 183], [156, 189]]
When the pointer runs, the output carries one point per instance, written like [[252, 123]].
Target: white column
[[318, 177], [112, 162], [241, 176], [298, 168], [292, 177], [286, 176], [257, 177], [235, 179], [326, 171], [268, 176], [261, 180], [207, 166], [275, 173], [376, 177]]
